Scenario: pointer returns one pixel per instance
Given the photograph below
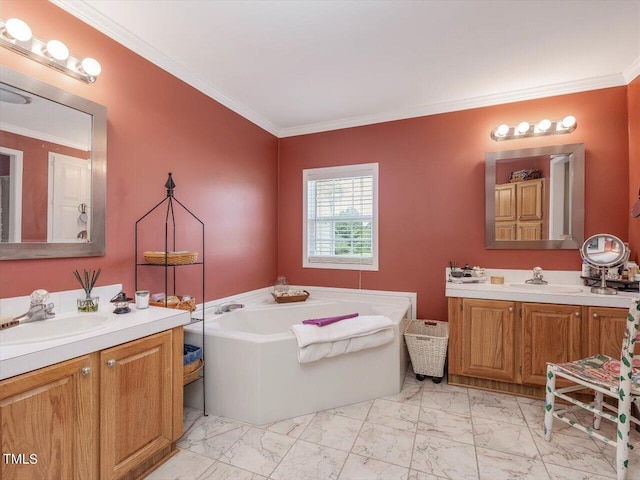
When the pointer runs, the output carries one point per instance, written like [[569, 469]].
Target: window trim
[[343, 171]]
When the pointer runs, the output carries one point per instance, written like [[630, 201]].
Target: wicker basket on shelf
[[191, 371], [427, 344], [172, 258]]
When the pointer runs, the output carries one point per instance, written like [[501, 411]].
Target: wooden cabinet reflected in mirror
[[535, 198]]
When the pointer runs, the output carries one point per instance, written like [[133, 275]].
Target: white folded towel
[[345, 336], [350, 328], [316, 351]]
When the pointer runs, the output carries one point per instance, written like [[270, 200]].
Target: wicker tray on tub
[[427, 344], [172, 258], [291, 296]]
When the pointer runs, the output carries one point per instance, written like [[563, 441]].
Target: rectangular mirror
[[534, 198], [53, 154]]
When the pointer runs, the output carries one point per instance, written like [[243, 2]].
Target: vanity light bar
[[537, 129], [17, 36]]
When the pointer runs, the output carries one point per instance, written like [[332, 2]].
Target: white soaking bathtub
[[252, 370]]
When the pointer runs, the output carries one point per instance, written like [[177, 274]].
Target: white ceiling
[[295, 67]]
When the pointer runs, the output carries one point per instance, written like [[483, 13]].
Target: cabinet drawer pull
[[510, 309], [577, 314], [111, 363], [86, 370], [595, 315]]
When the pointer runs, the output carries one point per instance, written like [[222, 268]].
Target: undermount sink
[[531, 287], [51, 329]]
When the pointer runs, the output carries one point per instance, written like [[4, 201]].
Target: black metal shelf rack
[[170, 270]]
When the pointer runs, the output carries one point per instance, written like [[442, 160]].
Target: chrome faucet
[[227, 307], [39, 308], [537, 277]]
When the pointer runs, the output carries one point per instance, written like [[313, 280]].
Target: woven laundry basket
[[427, 344]]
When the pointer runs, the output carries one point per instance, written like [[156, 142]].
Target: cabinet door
[[506, 202], [550, 333], [505, 230], [606, 328], [48, 422], [487, 333], [529, 231], [136, 403], [530, 200]]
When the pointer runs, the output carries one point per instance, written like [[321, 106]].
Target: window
[[340, 217]]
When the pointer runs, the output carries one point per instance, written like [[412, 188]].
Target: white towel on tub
[[316, 351], [345, 336]]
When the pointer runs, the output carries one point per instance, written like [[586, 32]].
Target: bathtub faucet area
[[229, 307]]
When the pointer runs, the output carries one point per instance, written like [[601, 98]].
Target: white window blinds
[[341, 217]]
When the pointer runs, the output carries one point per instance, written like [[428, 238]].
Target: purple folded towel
[[322, 322]]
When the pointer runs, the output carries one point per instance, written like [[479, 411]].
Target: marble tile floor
[[426, 432]]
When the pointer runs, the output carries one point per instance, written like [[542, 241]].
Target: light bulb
[[523, 127], [568, 121], [502, 130], [544, 125], [91, 66], [18, 29], [57, 50]]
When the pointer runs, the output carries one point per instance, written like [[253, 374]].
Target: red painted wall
[[633, 91], [225, 167], [432, 190], [226, 170], [35, 171]]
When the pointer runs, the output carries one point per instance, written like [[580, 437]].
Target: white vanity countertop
[[21, 358], [511, 291]]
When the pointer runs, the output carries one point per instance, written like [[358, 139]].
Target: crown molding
[[633, 71], [85, 12], [606, 81]]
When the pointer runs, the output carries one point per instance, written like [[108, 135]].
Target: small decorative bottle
[[281, 286], [89, 303]]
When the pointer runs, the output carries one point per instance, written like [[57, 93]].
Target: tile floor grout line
[[473, 434], [354, 441], [415, 436], [533, 437]]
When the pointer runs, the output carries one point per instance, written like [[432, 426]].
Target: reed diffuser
[[88, 303]]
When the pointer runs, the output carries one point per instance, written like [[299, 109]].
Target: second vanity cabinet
[[606, 327], [550, 333], [505, 345], [111, 414], [485, 338]]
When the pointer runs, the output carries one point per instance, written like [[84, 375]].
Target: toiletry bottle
[[586, 269]]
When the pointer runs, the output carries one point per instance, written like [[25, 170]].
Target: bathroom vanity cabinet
[[606, 328], [108, 415], [483, 337], [550, 333], [49, 422], [505, 345]]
